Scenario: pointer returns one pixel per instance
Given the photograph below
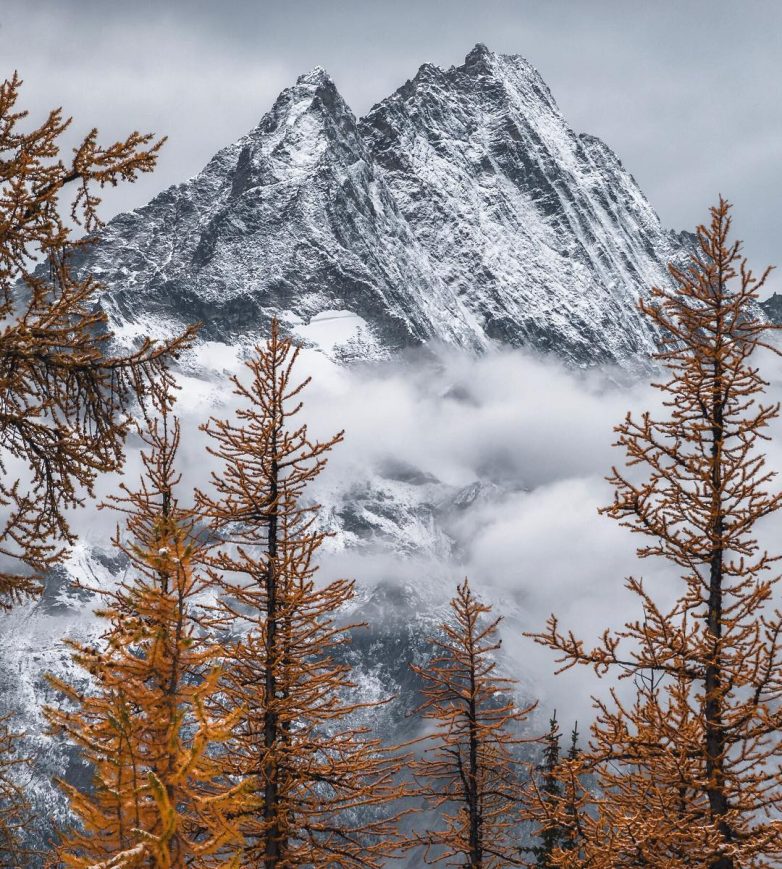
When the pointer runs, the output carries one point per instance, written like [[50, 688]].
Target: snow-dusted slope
[[542, 233], [292, 220], [461, 209]]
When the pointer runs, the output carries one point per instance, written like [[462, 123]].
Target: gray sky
[[688, 93]]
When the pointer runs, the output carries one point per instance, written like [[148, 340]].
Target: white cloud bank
[[537, 435]]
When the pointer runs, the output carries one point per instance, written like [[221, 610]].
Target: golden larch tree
[[65, 396], [689, 770], [319, 791], [157, 797], [468, 773], [627, 800]]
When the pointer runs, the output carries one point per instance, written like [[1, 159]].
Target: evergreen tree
[[573, 749], [555, 793], [549, 791], [551, 788], [572, 790]]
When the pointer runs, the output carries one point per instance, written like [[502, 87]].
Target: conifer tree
[[65, 397], [554, 801], [156, 798], [15, 809], [689, 770], [469, 773], [548, 790], [573, 749], [318, 789], [572, 794]]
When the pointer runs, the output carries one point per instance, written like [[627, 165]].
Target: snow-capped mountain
[[541, 232], [462, 209]]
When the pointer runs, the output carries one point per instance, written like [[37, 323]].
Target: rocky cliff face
[[292, 221], [772, 308], [462, 209], [541, 232]]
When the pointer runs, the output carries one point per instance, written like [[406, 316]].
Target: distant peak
[[480, 50], [479, 55], [316, 77]]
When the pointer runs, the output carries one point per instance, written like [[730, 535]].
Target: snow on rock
[[291, 218], [461, 209], [541, 232], [340, 335]]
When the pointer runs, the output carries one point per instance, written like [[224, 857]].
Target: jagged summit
[[480, 60], [317, 77], [308, 122], [507, 67], [505, 196], [478, 52], [462, 209]]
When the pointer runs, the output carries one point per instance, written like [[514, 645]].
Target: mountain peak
[[488, 173], [317, 77], [481, 58], [306, 112], [511, 71], [480, 54], [461, 208], [480, 49]]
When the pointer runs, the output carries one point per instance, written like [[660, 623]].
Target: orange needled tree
[[65, 396], [319, 790], [15, 810], [689, 771], [469, 774], [157, 798]]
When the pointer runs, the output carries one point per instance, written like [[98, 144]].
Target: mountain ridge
[[461, 209]]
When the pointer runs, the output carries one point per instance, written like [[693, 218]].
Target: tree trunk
[[271, 796], [476, 849], [715, 736]]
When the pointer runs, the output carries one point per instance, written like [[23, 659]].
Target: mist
[[491, 468]]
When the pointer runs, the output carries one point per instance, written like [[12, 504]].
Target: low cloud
[[527, 439]]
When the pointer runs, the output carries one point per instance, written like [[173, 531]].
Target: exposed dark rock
[[462, 208]]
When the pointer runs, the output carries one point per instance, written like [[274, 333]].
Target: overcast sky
[[689, 94]]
